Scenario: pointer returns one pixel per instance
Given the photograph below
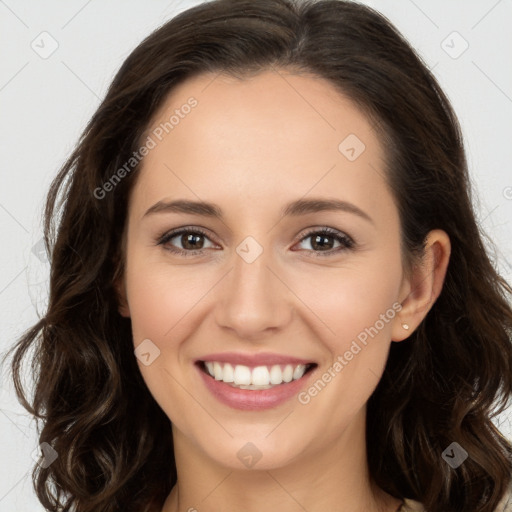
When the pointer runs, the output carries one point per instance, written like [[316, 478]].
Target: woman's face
[[260, 288]]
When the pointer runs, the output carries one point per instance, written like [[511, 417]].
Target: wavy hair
[[445, 384]]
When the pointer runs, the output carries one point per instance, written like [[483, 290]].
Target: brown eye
[[323, 242], [186, 242]]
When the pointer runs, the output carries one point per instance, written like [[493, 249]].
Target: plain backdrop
[[57, 62]]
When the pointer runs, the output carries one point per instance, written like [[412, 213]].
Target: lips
[[254, 382]]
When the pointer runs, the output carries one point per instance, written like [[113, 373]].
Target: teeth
[[228, 374], [288, 373], [260, 377], [299, 371], [276, 375], [209, 367], [242, 375], [217, 371]]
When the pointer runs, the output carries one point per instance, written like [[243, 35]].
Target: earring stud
[[405, 326]]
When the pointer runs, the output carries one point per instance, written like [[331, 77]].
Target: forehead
[[272, 132]]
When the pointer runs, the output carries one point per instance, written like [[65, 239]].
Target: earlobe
[[424, 285]]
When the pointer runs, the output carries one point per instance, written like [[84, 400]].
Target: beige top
[[505, 504]]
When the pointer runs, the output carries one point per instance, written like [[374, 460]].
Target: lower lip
[[253, 400]]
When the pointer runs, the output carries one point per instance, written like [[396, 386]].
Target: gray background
[[46, 100]]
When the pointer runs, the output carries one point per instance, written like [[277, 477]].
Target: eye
[[323, 241], [191, 240]]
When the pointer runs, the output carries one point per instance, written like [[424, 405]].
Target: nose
[[253, 300]]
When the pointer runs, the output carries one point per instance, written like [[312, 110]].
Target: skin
[[251, 147]]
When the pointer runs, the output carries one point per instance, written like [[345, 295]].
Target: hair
[[444, 385]]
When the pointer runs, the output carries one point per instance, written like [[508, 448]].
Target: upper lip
[[253, 360]]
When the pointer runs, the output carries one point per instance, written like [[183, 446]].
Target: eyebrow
[[294, 209]]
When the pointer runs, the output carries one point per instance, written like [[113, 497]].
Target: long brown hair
[[114, 443]]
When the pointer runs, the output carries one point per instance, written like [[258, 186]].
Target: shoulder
[[505, 504]]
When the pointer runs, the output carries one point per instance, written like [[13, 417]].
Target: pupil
[[317, 240], [189, 241]]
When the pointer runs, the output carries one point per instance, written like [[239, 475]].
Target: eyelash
[[346, 242]]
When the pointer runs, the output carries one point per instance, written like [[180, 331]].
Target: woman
[[268, 287]]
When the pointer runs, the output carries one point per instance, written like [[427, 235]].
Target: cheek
[[348, 299], [159, 298]]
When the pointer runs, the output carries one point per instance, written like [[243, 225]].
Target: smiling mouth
[[255, 378]]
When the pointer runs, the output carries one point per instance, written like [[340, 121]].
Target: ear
[[123, 307], [421, 289]]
